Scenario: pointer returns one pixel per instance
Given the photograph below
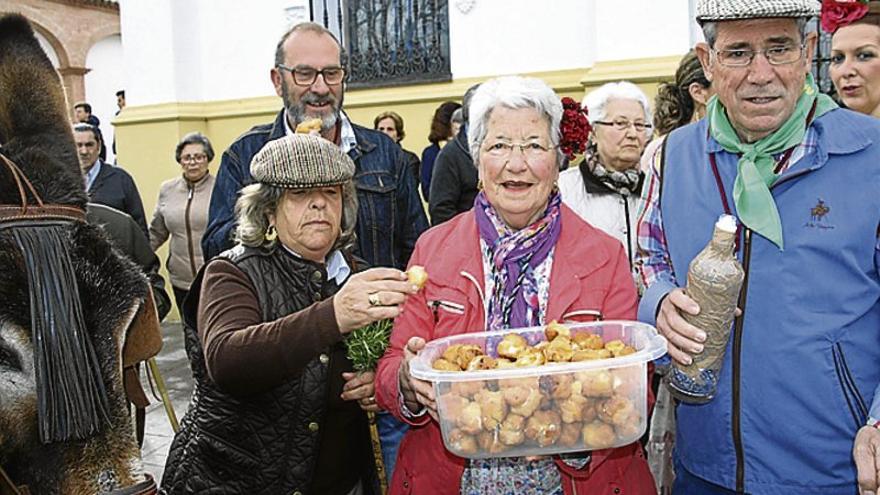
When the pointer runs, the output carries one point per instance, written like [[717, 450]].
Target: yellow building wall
[[146, 136]]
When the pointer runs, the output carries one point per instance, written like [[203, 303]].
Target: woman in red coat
[[519, 258]]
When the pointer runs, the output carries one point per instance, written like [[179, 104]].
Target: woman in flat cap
[[276, 407]]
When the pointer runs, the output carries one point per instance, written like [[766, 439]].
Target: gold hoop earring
[[479, 184], [271, 234]]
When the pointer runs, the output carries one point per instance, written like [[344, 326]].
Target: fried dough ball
[[482, 363], [470, 420], [511, 431], [503, 364], [562, 385], [559, 350], [588, 341], [615, 346], [511, 346], [489, 441], [590, 411], [597, 383], [530, 405], [555, 329], [467, 389], [616, 410], [462, 354], [307, 126], [417, 276], [598, 435], [590, 354], [441, 364], [530, 357], [571, 434], [627, 380], [630, 428], [462, 443], [515, 394], [544, 428], [493, 408], [453, 405], [572, 409]]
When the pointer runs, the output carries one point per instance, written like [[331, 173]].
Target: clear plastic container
[[548, 409]]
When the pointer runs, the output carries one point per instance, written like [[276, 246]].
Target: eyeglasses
[[623, 124], [306, 76], [200, 158], [775, 55], [532, 149]]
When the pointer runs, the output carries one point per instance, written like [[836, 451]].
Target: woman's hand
[[416, 393], [360, 387], [369, 296]]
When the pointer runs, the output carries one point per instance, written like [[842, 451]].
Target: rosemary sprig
[[366, 345]]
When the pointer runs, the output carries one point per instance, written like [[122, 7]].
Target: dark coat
[[125, 236], [455, 179], [115, 188]]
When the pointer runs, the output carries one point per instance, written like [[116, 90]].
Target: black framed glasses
[[199, 158], [775, 55], [306, 76], [623, 124]]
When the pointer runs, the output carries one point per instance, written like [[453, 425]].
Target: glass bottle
[[714, 280]]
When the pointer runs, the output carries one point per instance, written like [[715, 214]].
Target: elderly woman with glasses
[[604, 189], [182, 212], [519, 258], [276, 407]]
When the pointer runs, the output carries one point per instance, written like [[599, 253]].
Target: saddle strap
[[24, 211], [146, 487]]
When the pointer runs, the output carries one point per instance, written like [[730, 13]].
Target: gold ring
[[374, 299]]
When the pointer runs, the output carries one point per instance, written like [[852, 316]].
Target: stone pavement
[[174, 367]]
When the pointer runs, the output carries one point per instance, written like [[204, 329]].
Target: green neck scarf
[[751, 191]]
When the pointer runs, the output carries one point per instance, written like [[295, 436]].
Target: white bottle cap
[[726, 223]]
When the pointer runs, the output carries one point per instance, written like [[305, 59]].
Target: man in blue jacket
[[309, 76], [797, 402]]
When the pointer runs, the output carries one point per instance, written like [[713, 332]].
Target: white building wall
[[204, 50], [105, 78]]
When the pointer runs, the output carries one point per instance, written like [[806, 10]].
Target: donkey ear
[[35, 129]]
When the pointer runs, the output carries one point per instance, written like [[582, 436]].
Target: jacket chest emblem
[[819, 216]]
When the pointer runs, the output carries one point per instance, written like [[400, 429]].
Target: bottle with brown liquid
[[714, 280]]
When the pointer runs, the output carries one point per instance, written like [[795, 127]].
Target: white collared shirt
[[347, 139], [92, 174], [335, 265]]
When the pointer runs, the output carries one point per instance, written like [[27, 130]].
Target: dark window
[[822, 61], [390, 42]]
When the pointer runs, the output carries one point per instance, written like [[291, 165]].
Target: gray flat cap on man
[[731, 10], [301, 161]]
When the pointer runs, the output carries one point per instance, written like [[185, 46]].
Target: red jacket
[[590, 275]]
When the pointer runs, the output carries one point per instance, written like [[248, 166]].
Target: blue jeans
[[391, 432]]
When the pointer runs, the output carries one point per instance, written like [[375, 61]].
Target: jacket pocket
[[852, 397], [226, 457]]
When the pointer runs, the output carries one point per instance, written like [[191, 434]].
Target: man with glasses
[[309, 76], [797, 402]]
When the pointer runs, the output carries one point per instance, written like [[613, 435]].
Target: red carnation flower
[[839, 13], [574, 128]]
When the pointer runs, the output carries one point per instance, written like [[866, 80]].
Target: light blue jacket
[[808, 370]]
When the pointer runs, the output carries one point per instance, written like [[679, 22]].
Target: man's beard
[[296, 111]]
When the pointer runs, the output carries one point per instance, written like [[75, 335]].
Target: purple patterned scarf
[[514, 257]]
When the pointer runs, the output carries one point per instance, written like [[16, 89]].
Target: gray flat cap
[[301, 161], [730, 10]]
